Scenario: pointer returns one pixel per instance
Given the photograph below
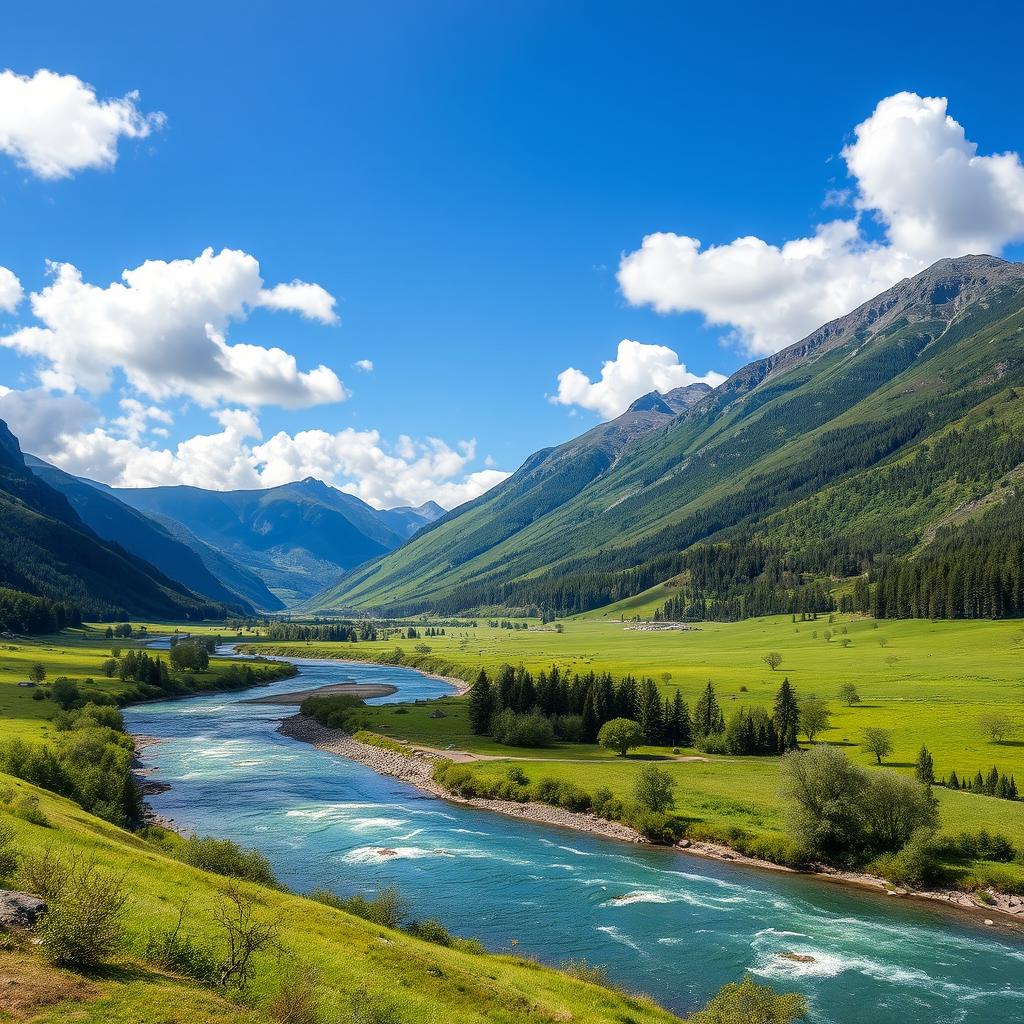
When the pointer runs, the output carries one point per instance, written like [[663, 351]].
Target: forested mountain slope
[[137, 533], [755, 466], [47, 551]]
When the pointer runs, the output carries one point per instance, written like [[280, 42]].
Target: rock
[[385, 852], [19, 909], [684, 844], [799, 958], [989, 921]]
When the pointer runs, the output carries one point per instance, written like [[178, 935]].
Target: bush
[[915, 864], [84, 921], [430, 930], [653, 789], [387, 908], [751, 1003], [224, 857], [342, 711], [296, 1000], [582, 970], [177, 952], [522, 730], [27, 808], [657, 827], [980, 845], [568, 728], [516, 774], [712, 743]]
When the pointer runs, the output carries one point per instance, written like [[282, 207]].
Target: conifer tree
[[925, 769], [481, 705], [707, 715], [786, 716]]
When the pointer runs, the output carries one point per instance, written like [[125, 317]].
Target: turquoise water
[[672, 925]]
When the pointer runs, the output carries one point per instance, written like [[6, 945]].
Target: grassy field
[[928, 683]]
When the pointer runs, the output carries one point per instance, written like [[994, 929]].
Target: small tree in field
[[653, 789], [878, 742], [620, 734], [37, 673], [244, 935], [848, 694], [772, 659], [996, 726], [925, 767], [815, 717]]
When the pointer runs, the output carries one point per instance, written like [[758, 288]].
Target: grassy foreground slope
[[423, 982], [858, 392]]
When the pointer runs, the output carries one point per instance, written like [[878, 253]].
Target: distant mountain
[[297, 538], [842, 456], [47, 550], [113, 520]]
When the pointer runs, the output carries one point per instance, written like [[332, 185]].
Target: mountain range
[[852, 448], [258, 549]]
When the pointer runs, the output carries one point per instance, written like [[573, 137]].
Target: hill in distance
[[48, 551], [798, 461]]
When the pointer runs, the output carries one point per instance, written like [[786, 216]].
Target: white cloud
[[164, 324], [54, 125], [915, 171], [636, 370], [65, 430], [366, 365], [10, 291], [312, 301]]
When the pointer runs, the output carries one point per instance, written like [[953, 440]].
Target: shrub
[[751, 1003], [982, 845], [84, 921], [522, 730], [367, 1009], [27, 807], [244, 935], [915, 864], [568, 728], [653, 789], [657, 827], [387, 908], [296, 1000], [581, 969], [516, 774], [65, 692], [177, 952], [224, 857], [430, 930], [712, 743]]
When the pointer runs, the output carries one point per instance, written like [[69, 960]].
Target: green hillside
[[860, 416], [47, 551]]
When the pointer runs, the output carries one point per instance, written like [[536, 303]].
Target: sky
[[401, 246]]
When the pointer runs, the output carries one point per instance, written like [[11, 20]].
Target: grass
[[926, 682], [423, 982]]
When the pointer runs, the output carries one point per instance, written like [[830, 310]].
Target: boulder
[[19, 909]]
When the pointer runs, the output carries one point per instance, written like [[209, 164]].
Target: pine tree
[[953, 782], [786, 716], [481, 705], [650, 711], [925, 769], [707, 715]]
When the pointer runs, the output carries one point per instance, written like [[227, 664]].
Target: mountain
[[137, 533], [48, 551], [297, 538], [851, 449]]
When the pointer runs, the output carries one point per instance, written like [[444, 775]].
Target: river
[[671, 925]]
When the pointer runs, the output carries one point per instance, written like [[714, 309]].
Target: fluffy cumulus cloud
[[10, 291], [164, 324], [55, 125], [915, 172], [636, 370], [128, 451]]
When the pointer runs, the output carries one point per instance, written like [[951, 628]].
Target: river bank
[[416, 768]]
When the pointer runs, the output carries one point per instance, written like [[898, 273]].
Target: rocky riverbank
[[416, 768]]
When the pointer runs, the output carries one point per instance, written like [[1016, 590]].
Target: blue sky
[[464, 180]]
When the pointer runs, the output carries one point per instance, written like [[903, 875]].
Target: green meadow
[[928, 683]]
